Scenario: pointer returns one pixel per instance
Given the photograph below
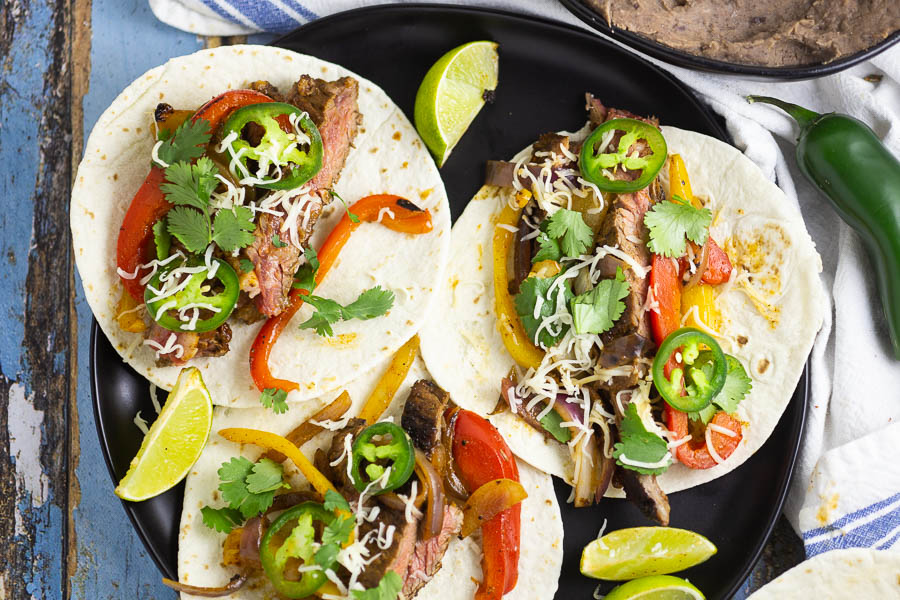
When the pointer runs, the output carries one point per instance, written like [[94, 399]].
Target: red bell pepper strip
[[134, 245], [695, 453], [481, 455], [718, 266], [406, 219]]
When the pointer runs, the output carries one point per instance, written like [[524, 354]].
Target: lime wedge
[[174, 441], [657, 587], [639, 551], [452, 93]]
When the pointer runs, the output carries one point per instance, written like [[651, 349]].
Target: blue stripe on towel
[[262, 15], [881, 532], [851, 517], [304, 12]]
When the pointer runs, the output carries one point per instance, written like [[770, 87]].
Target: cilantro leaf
[[191, 227], [372, 303], [221, 519], [704, 414], [162, 239], [737, 382], [233, 476], [320, 322], [276, 399], [638, 444], [353, 218], [246, 266], [552, 422], [233, 228], [670, 222], [527, 298], [569, 228], [327, 555], [266, 476], [305, 277], [190, 184], [388, 589], [335, 502], [597, 310], [339, 530], [186, 143], [276, 241], [327, 313], [549, 248]]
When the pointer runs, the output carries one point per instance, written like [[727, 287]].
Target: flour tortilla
[[848, 574], [752, 217], [200, 548], [388, 157]]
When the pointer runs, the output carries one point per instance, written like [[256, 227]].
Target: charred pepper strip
[[193, 295], [277, 146], [844, 158], [700, 391], [276, 549], [398, 452], [594, 161]]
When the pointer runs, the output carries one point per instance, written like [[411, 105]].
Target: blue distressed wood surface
[[69, 534]]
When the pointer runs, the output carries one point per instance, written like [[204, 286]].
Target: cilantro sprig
[[371, 303], [596, 311], [186, 143], [639, 445], [222, 519], [671, 222], [568, 228], [388, 589], [537, 289], [274, 398], [737, 386], [250, 487]]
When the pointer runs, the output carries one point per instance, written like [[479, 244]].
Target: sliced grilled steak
[[275, 266], [397, 557], [550, 145], [215, 342], [427, 554], [264, 87], [423, 414], [641, 489], [188, 341], [332, 105]]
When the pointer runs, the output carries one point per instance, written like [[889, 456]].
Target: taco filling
[[388, 498], [605, 283]]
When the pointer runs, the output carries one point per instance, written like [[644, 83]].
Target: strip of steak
[[333, 107], [423, 414], [427, 554], [337, 473], [194, 345], [398, 556]]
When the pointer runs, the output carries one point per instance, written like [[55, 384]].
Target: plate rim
[[801, 390], [680, 58]]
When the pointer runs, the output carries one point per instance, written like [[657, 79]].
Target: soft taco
[[396, 519], [257, 157], [632, 304]]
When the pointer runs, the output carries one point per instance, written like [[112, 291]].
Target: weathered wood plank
[[35, 95]]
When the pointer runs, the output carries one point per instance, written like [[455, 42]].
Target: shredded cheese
[[710, 447], [723, 430], [141, 423]]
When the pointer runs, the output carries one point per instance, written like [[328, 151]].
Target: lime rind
[[656, 587]]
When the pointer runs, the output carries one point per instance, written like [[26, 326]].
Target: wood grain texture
[[62, 62]]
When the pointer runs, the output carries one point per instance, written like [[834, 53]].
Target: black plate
[[545, 68], [701, 63]]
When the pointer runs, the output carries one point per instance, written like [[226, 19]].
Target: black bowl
[[701, 63]]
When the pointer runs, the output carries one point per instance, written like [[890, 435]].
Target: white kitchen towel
[[846, 488]]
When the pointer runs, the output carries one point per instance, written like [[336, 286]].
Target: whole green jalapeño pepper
[[277, 147], [594, 161], [700, 388], [844, 158], [396, 453], [293, 536], [196, 294]]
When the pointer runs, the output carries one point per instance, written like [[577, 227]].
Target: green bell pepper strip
[[195, 292], [399, 452], [860, 176], [277, 145], [275, 549], [593, 162], [700, 389]]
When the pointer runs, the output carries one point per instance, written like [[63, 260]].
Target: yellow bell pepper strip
[[387, 386], [679, 182], [489, 500], [703, 297], [273, 441], [127, 315], [517, 342]]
